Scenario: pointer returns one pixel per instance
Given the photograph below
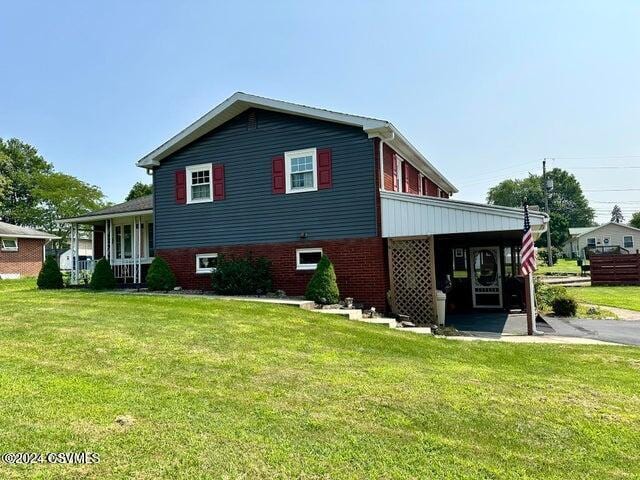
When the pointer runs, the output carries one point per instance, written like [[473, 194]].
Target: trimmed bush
[[50, 276], [242, 276], [545, 294], [160, 276], [564, 306], [323, 287], [102, 278]]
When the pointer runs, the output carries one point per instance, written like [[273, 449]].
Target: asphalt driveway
[[497, 324], [617, 331]]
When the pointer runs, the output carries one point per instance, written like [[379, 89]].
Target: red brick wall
[[360, 266], [27, 261]]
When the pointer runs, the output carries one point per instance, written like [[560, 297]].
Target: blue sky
[[484, 89]]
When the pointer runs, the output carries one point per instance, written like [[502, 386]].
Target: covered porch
[[468, 250], [122, 233]]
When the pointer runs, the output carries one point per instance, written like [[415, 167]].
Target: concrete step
[[351, 314], [390, 322]]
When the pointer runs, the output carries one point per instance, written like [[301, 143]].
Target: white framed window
[[627, 241], [10, 244], [591, 242], [308, 258], [206, 262], [301, 169], [199, 187]]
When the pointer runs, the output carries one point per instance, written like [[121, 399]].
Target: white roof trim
[[239, 102], [589, 232], [36, 237], [405, 215], [104, 216]]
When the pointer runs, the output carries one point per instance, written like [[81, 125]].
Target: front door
[[486, 281]]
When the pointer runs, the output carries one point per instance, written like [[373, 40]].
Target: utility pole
[[547, 187]]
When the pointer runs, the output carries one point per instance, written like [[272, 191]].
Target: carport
[[468, 249]]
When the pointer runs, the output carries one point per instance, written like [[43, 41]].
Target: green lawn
[[621, 297], [562, 266], [238, 390]]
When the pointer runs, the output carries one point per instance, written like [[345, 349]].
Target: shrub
[[160, 276], [545, 294], [323, 287], [242, 276], [50, 276], [564, 306], [102, 278], [542, 255]]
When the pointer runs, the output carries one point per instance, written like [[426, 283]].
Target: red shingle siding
[[413, 180], [27, 261], [388, 158], [387, 154], [360, 266]]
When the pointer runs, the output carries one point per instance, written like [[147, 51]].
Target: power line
[[615, 190]]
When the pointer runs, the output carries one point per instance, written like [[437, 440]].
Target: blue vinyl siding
[[251, 213]]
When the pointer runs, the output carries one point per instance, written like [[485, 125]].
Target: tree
[[567, 203], [616, 214], [20, 168], [33, 194], [635, 220], [323, 286], [138, 190], [62, 196]]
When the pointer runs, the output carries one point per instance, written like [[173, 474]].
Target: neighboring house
[[610, 237], [21, 250], [85, 253], [291, 182]]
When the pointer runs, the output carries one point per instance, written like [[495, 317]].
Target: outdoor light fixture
[[303, 235]]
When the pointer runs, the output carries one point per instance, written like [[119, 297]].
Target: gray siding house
[[608, 237]]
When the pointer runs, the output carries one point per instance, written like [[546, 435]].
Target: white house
[[608, 237]]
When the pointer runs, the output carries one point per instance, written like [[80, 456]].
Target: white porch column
[[75, 272]]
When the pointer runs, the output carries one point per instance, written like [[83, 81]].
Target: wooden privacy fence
[[413, 283], [615, 269]]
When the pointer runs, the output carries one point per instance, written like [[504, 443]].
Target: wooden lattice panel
[[413, 288]]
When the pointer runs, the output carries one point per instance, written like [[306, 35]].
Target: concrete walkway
[[621, 313]]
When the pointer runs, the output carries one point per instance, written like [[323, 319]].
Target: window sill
[[8, 250], [306, 269], [302, 190], [206, 200]]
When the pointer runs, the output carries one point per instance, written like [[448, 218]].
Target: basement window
[[308, 258], [10, 244], [206, 262]]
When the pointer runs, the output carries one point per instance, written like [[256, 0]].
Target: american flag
[[527, 254]]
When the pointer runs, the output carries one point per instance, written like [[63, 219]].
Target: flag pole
[[529, 294]]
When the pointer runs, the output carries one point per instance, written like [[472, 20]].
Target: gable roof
[[9, 230], [578, 232], [139, 206], [239, 102]]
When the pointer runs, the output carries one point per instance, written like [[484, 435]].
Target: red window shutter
[[394, 173], [324, 168], [218, 182], [277, 174], [181, 186], [425, 186], [405, 176]]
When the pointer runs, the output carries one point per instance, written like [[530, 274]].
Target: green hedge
[[50, 276], [102, 278], [160, 276], [242, 276], [323, 286]]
